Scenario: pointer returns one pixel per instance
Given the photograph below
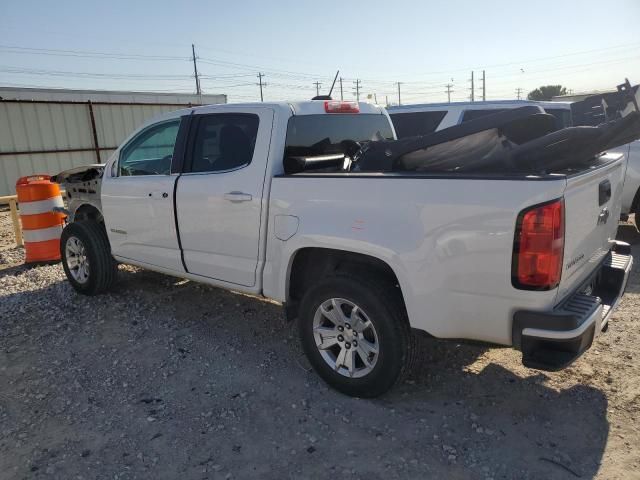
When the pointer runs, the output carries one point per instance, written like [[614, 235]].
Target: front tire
[[355, 333], [86, 257]]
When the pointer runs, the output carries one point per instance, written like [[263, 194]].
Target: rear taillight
[[338, 106], [538, 247]]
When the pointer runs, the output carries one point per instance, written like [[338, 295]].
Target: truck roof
[[306, 107]]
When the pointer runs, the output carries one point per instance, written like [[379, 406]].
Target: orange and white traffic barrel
[[41, 226]]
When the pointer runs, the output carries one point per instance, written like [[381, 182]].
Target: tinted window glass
[[473, 114], [416, 123], [224, 141], [562, 116], [332, 133], [150, 152]]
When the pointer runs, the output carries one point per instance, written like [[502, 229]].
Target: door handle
[[237, 197]]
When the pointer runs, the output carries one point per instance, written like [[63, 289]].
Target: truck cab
[[162, 189]]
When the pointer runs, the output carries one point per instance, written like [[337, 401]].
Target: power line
[[35, 71], [300, 75], [527, 61], [87, 53]]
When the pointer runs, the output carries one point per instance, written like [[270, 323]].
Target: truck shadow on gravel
[[459, 414], [170, 379]]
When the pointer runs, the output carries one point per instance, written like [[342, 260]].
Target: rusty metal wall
[[48, 136]]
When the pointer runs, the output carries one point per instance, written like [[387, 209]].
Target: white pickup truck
[[278, 200]]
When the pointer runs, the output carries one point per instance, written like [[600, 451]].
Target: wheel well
[[312, 264], [88, 212]]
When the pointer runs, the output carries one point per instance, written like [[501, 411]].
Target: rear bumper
[[553, 340]]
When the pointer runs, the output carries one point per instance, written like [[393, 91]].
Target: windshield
[[311, 135]]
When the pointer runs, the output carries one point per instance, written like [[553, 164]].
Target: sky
[[425, 45]]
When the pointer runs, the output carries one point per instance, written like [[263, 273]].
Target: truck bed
[[451, 236]]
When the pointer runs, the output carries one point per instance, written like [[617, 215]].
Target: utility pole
[[317, 84], [357, 83], [375, 98], [484, 88], [386, 100], [260, 75], [473, 92], [195, 70], [449, 85], [518, 92], [399, 83], [341, 96]]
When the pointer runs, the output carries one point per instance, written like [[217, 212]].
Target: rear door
[[219, 197], [592, 208], [137, 198]]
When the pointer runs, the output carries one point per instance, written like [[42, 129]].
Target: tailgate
[[592, 207]]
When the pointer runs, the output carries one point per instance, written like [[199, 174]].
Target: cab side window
[[150, 153], [224, 141]]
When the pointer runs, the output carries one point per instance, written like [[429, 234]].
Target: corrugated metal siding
[[29, 127], [33, 127]]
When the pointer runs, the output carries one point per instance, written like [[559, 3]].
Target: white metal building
[[50, 130]]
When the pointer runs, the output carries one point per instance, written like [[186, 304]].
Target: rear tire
[[86, 257], [361, 354]]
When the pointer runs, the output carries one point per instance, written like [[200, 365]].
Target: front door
[[219, 197], [137, 198]]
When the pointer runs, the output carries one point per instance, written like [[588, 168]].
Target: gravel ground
[[165, 379]]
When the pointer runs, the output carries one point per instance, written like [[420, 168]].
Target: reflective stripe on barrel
[[42, 234], [40, 206], [41, 226]]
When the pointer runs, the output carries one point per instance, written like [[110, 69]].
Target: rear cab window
[[325, 134]]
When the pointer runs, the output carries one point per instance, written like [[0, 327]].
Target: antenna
[[326, 97], [334, 82]]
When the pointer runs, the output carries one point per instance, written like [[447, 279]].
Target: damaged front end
[[82, 186]]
